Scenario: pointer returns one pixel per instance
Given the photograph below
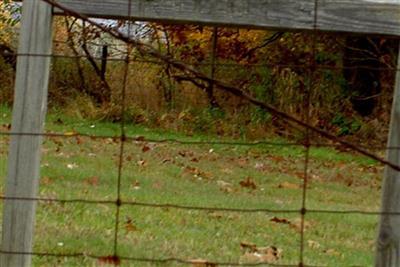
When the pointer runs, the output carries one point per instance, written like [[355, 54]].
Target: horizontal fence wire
[[197, 64], [143, 139], [311, 65], [152, 260], [198, 208]]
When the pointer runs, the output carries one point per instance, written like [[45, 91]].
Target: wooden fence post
[[30, 104], [388, 243]]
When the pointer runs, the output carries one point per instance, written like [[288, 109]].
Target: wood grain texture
[[30, 103], [388, 243], [361, 16]]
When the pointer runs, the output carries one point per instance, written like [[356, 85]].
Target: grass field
[[203, 175]]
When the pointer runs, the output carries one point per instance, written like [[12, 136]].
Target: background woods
[[352, 102]]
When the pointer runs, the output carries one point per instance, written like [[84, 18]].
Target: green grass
[[196, 175]]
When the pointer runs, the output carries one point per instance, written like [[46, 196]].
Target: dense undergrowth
[[278, 74]]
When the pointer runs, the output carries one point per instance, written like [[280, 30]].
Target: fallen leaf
[[194, 160], [297, 225], [78, 140], [185, 154], [332, 252], [142, 163], [45, 180], [248, 246], [280, 220], [139, 138], [112, 260], [248, 183], [216, 215], [94, 180], [260, 166], [313, 244], [262, 254], [72, 166], [145, 148], [166, 160], [225, 186], [287, 185], [202, 263], [130, 226], [136, 185]]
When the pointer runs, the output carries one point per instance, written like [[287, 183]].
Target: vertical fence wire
[[123, 132], [308, 88]]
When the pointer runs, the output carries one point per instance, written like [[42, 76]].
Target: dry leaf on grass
[[296, 224], [145, 148], [142, 163], [332, 252], [248, 246], [225, 186], [260, 254], [248, 183], [109, 260], [130, 226], [313, 244], [72, 166], [136, 185], [45, 180], [280, 220], [93, 181], [287, 185], [202, 263]]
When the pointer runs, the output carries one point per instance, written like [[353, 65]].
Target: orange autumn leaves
[[194, 43]]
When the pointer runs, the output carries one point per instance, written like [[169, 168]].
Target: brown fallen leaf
[[267, 255], [280, 220], [225, 186], [216, 215], [140, 138], [109, 260], [296, 224], [145, 148], [248, 246], [332, 252], [78, 140], [248, 183], [142, 163], [136, 184], [194, 160], [130, 226], [93, 181], [287, 185], [202, 263], [45, 180]]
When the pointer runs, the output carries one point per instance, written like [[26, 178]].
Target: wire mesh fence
[[119, 212]]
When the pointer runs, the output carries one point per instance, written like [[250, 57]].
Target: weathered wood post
[[30, 104], [388, 243]]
